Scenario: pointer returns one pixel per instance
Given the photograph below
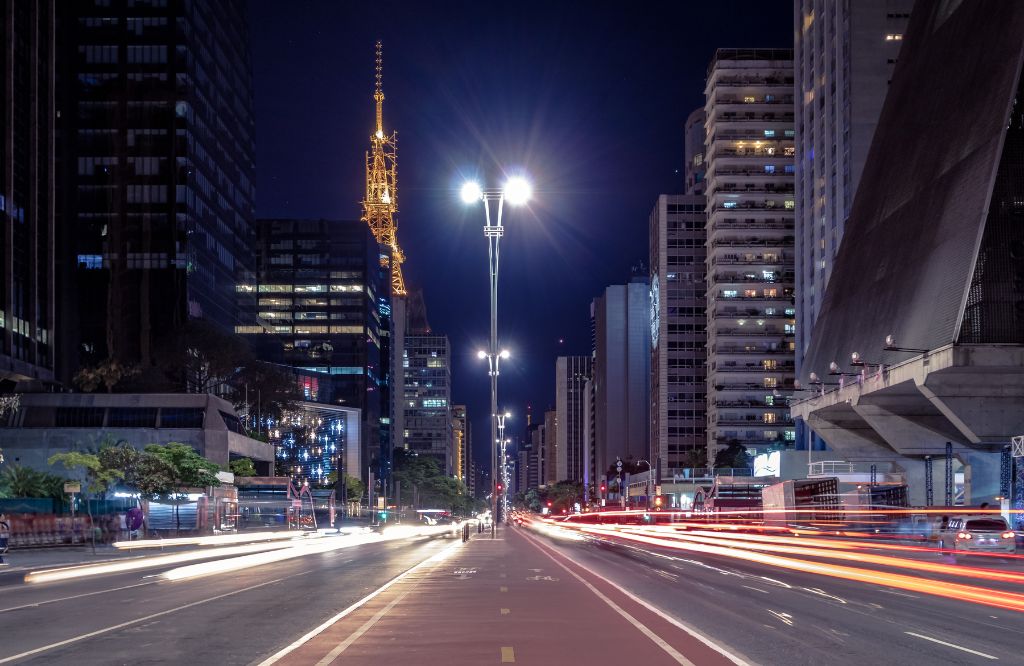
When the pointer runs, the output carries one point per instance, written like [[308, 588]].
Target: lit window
[[748, 99], [769, 168], [769, 417], [769, 364], [894, 37], [729, 204], [729, 293], [90, 261], [769, 400], [790, 204], [769, 133], [771, 382]]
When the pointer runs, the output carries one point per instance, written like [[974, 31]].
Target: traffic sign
[[72, 487]]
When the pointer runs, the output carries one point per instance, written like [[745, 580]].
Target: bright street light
[[471, 192], [481, 354], [518, 190]]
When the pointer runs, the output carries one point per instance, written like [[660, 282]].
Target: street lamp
[[502, 442], [890, 345], [650, 473], [517, 191]]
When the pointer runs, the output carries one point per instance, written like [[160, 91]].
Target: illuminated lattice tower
[[381, 201]]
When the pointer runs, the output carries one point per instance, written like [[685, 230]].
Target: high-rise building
[[693, 151], [461, 445], [675, 327], [427, 399], [750, 207], [531, 472], [845, 53], [27, 173], [621, 374], [571, 375], [157, 151], [320, 305], [549, 448]]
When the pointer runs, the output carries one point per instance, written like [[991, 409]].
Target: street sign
[[1018, 446], [380, 501], [72, 487], [657, 490]]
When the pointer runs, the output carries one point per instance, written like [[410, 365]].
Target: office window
[[131, 417], [181, 417], [80, 417]]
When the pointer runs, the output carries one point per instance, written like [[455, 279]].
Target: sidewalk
[[506, 600]]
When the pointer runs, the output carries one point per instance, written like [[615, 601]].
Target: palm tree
[[20, 481]]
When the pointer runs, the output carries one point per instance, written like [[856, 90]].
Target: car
[[979, 533]]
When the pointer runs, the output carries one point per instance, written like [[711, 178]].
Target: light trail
[[958, 591], [216, 540], [67, 573], [394, 533], [882, 560]]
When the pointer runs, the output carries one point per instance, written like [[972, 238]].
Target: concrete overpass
[[971, 396]]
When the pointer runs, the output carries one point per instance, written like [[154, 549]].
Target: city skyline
[[583, 231]]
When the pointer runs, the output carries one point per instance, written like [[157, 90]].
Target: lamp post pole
[[518, 191]]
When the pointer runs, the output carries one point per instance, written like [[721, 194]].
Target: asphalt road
[[778, 616], [233, 618]]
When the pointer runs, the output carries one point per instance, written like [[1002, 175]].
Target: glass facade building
[[427, 423], [157, 165], [316, 441], [320, 304], [27, 173]]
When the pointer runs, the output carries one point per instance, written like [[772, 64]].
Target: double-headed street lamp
[[517, 191], [502, 442]]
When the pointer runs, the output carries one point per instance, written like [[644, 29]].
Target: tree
[[97, 477], [242, 467], [199, 357], [563, 495], [266, 390], [108, 374], [20, 481], [184, 469], [734, 455]]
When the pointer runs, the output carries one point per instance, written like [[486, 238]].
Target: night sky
[[589, 102]]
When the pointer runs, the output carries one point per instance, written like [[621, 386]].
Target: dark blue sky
[[587, 98]]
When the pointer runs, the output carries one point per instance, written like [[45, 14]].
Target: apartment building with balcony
[[749, 159]]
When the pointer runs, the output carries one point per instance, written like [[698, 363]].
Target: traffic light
[[499, 487], [657, 502], [549, 503], [603, 488]]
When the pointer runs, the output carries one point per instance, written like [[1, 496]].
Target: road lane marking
[[76, 596], [731, 656], [508, 655], [637, 624], [505, 611], [757, 589], [366, 626], [901, 594], [956, 647], [274, 658], [503, 589], [129, 623]]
